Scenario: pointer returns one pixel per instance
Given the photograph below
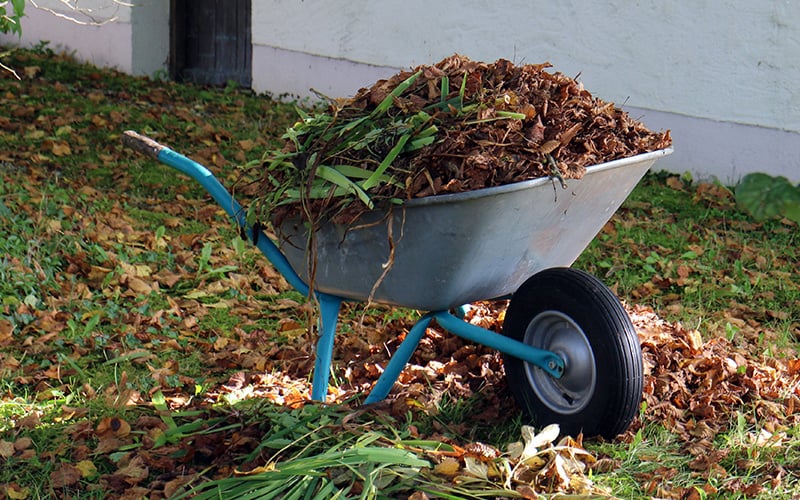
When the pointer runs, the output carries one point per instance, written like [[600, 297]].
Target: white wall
[[106, 33], [99, 45], [722, 75]]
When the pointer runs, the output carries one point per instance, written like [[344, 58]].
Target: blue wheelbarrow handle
[[206, 178]]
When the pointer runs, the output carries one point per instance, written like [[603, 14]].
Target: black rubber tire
[[574, 314]]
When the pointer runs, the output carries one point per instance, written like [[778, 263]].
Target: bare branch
[[10, 70], [73, 7]]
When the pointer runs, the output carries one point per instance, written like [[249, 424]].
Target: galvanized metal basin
[[454, 249]]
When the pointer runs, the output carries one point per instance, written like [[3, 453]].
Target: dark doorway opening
[[210, 41]]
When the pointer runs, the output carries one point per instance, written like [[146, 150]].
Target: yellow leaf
[[16, 493], [448, 467], [222, 304], [63, 130], [258, 470], [143, 271], [36, 134], [87, 468], [138, 270], [695, 340]]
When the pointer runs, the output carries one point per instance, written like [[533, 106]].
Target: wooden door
[[210, 41]]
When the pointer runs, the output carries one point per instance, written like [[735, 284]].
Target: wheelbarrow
[[570, 351]]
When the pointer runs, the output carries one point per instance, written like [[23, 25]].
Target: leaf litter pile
[[458, 125], [137, 360]]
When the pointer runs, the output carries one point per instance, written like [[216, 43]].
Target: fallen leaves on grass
[[698, 389], [113, 293], [694, 386], [539, 463]]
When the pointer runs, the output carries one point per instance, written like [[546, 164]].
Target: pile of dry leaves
[[458, 125], [559, 120]]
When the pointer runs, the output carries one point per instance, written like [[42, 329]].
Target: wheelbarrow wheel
[[572, 313]]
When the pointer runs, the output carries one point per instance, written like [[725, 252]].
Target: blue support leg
[[548, 361], [398, 361], [329, 317]]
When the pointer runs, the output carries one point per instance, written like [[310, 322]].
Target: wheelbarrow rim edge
[[517, 186]]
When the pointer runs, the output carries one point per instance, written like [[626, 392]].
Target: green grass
[[692, 256], [741, 467]]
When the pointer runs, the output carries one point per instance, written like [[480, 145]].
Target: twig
[[84, 12], [6, 68]]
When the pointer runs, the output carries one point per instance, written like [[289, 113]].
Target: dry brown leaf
[[675, 183], [61, 149], [6, 330], [549, 146], [31, 72], [113, 426], [65, 475], [23, 443], [6, 449], [135, 471], [136, 285]]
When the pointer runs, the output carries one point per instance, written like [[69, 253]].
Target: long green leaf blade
[[387, 102], [331, 175], [390, 157], [354, 172]]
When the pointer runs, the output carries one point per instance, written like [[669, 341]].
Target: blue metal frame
[[330, 304]]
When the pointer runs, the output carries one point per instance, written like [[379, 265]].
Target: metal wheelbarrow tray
[[455, 249], [571, 354]]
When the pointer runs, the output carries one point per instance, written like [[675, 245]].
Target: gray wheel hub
[[556, 332]]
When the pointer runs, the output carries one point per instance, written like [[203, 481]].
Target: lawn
[[146, 350]]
